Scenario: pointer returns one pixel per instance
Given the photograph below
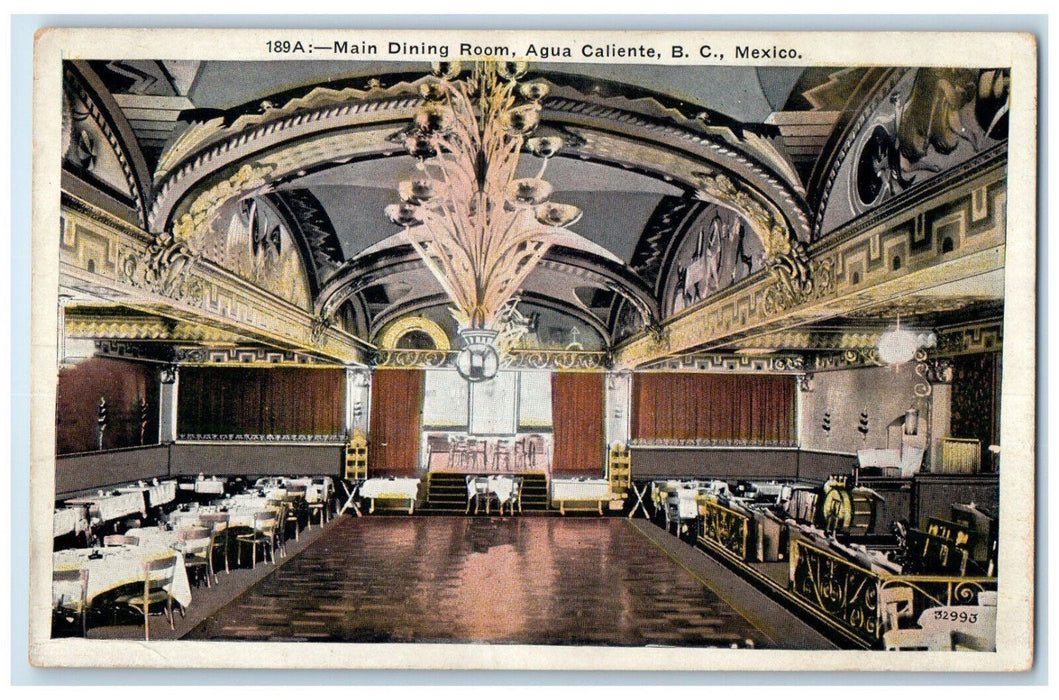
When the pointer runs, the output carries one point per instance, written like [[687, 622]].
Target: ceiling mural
[[249, 238], [688, 183], [930, 121]]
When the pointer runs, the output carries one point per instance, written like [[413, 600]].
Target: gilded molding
[[95, 253], [731, 362], [854, 272]]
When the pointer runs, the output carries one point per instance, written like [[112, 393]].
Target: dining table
[[111, 505], [110, 568], [502, 486], [391, 488], [316, 488], [569, 492], [156, 494], [241, 509], [72, 519], [212, 485]]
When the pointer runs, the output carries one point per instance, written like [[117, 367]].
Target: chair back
[[159, 572], [63, 578], [215, 520], [265, 521], [119, 540], [196, 541]]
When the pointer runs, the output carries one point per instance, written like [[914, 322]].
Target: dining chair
[[158, 577], [196, 544], [119, 540], [281, 507], [515, 497], [320, 506], [263, 535], [296, 504], [218, 524], [76, 605]]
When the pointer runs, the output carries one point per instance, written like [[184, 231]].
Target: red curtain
[[736, 409], [396, 421], [261, 401], [577, 417]]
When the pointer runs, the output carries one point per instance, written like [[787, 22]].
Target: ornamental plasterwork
[[144, 329], [981, 337], [92, 111], [853, 270], [731, 362], [686, 152], [249, 357], [215, 297]]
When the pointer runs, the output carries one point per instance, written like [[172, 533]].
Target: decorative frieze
[[709, 442], [248, 357], [731, 362], [958, 234], [986, 337], [241, 437]]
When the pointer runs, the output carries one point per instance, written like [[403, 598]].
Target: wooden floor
[[485, 579]]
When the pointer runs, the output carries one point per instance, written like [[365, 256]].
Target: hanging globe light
[[897, 346]]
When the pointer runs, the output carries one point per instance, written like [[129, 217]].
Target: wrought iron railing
[[848, 596], [724, 528]]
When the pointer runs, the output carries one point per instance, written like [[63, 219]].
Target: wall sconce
[[911, 421]]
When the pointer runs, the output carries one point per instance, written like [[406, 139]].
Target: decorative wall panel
[[126, 388]]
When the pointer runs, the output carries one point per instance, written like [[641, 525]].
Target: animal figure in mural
[[720, 258]]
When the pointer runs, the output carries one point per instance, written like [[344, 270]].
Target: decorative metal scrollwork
[[726, 529], [845, 593]]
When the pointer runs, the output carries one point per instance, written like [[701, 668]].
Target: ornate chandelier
[[478, 227]]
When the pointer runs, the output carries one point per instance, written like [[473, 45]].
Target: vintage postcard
[[533, 350]]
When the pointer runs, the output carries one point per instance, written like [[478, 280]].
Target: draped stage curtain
[[396, 421], [281, 401], [577, 417], [723, 409]]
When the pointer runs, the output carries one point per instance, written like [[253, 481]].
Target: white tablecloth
[[67, 520], [573, 489], [390, 488], [241, 510], [499, 484], [111, 507], [315, 487], [156, 494], [118, 567]]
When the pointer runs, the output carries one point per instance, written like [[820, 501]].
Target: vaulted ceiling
[[662, 161]]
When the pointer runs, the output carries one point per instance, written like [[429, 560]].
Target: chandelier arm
[[432, 264], [524, 266], [446, 238], [490, 252]]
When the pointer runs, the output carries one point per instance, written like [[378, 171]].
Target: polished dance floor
[[481, 579]]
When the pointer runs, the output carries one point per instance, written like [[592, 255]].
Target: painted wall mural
[[251, 240], [719, 250]]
